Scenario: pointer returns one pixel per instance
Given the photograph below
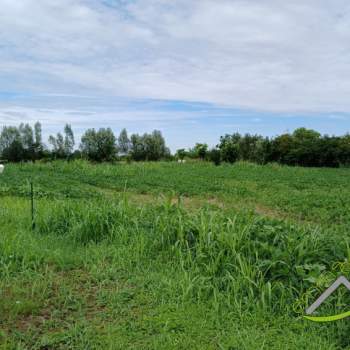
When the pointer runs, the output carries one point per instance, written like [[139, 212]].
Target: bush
[[214, 156]]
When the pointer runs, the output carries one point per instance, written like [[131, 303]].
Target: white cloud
[[287, 56]]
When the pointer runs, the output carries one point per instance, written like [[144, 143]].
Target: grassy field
[[171, 256]]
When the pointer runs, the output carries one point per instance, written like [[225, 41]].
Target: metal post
[[32, 204]]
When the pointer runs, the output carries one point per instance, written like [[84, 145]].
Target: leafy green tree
[[329, 151], [21, 143], [252, 147], [181, 154], [15, 153], [246, 146], [57, 143], [69, 141], [343, 147], [229, 147], [63, 145], [200, 150], [281, 149], [27, 140], [262, 151], [149, 147], [38, 141], [38, 134], [214, 156], [99, 145], [155, 146], [138, 148], [11, 146], [8, 135], [124, 143], [306, 147]]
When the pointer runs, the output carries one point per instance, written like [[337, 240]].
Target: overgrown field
[[171, 256]]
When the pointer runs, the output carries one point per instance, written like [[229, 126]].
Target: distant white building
[[2, 168]]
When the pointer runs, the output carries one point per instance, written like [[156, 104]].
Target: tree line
[[303, 147], [25, 143]]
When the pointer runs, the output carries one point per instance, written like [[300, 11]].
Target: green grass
[[170, 256], [321, 196]]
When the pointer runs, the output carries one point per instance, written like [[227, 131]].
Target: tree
[[181, 154], [68, 140], [343, 147], [8, 135], [155, 146], [99, 145], [15, 153], [11, 147], [149, 146], [330, 151], [21, 143], [200, 150], [63, 146], [57, 143], [252, 147], [255, 148], [281, 148], [27, 140], [138, 149], [229, 147], [306, 146], [214, 156], [38, 141], [38, 134], [124, 144]]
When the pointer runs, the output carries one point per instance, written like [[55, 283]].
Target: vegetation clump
[[304, 147], [155, 255]]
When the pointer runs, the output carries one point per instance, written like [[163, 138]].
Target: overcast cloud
[[261, 55]]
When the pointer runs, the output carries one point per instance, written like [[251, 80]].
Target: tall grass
[[320, 196], [217, 276], [242, 260]]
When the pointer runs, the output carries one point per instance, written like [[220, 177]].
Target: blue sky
[[193, 69]]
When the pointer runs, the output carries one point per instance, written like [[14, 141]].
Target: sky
[[194, 69]]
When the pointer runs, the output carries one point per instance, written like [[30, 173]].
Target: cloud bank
[[70, 60], [262, 54]]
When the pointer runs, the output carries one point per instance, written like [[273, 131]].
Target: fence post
[[32, 204]]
